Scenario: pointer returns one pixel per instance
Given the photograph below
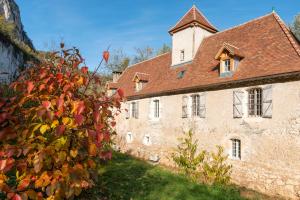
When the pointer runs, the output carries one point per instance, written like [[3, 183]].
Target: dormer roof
[[195, 18], [141, 76], [233, 50]]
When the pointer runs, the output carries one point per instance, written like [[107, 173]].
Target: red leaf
[[106, 56], [30, 87], [79, 119], [60, 101], [16, 197], [120, 93], [84, 69], [59, 76], [3, 117], [6, 165], [80, 107], [7, 134], [23, 184], [46, 104], [60, 129], [96, 115]]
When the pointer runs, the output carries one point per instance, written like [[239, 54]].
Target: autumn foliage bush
[[55, 130]]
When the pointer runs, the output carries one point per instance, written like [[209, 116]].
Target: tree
[[118, 61], [296, 27], [53, 133], [164, 49], [142, 54]]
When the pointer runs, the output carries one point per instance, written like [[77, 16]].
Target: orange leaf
[[120, 93], [30, 87], [106, 56], [92, 149]]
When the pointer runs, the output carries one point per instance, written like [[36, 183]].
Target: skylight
[[181, 74]]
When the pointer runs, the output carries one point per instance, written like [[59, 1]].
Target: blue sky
[[92, 25]]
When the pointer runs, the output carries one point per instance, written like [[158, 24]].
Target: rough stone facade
[[269, 146]]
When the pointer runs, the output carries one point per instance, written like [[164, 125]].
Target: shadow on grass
[[127, 178]]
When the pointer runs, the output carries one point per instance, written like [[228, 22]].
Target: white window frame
[[227, 64], [153, 109], [257, 103], [236, 149], [147, 140], [156, 113], [134, 109], [197, 105]]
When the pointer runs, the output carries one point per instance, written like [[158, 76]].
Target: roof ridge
[[240, 25], [227, 43], [181, 18], [205, 18], [287, 32], [147, 60]]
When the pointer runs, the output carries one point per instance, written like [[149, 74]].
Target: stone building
[[238, 88]]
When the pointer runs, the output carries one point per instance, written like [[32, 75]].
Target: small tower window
[[182, 55]]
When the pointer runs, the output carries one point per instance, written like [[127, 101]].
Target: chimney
[[116, 76]]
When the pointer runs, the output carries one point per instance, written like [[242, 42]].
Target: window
[[134, 110], [156, 108], [196, 105], [147, 140], [227, 65], [255, 102], [182, 55], [129, 137], [184, 107], [236, 148]]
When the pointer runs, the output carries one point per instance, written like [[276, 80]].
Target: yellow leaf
[[44, 128], [73, 153], [54, 124], [36, 127], [65, 120], [80, 81]]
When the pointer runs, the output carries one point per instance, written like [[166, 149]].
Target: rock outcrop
[[12, 57]]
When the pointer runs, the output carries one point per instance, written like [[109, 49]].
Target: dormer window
[[182, 55], [140, 79], [227, 65], [229, 57]]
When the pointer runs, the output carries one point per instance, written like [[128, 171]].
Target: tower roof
[[193, 17]]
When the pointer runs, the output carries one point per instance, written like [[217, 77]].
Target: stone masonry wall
[[270, 147]]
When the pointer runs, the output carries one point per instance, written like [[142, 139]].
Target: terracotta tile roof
[[193, 16], [112, 85], [267, 47]]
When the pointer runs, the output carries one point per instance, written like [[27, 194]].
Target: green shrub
[[186, 156], [215, 168], [200, 165]]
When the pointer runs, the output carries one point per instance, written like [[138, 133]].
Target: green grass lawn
[[128, 178]]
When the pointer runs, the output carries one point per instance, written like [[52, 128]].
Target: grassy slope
[[128, 178]]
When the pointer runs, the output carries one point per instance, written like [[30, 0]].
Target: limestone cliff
[[13, 49]]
